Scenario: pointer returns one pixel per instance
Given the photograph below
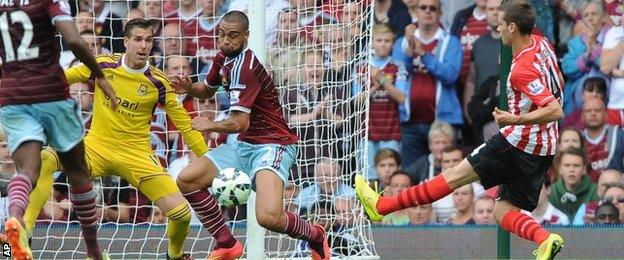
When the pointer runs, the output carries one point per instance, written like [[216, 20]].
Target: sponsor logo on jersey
[[142, 90]]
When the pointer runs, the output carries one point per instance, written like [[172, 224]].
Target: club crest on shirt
[[110, 77], [536, 87], [142, 90]]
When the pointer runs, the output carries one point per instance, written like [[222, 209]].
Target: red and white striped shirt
[[533, 82]]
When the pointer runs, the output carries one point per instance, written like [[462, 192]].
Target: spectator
[[484, 60], [314, 109], [93, 42], [346, 211], [574, 187], [615, 194], [450, 8], [545, 212], [612, 63], [607, 177], [421, 215], [283, 54], [595, 87], [607, 213], [614, 10], [583, 57], [382, 11], [157, 216], [273, 7], [600, 139], [434, 58], [586, 213], [386, 92], [544, 21], [444, 208], [170, 43], [470, 24], [84, 21], [311, 17], [340, 59], [483, 211], [83, 93], [479, 110], [291, 192], [202, 32], [188, 10], [463, 199], [570, 137], [402, 14], [107, 25], [153, 11], [7, 166], [387, 162], [398, 182], [133, 14], [440, 136], [327, 183]]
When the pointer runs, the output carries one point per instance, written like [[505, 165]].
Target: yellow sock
[[41, 193], [178, 227]]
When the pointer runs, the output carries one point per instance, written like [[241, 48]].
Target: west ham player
[[118, 142], [265, 148], [516, 158], [36, 109]]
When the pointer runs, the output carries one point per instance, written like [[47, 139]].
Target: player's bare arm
[[551, 112], [81, 50], [238, 122], [183, 85]]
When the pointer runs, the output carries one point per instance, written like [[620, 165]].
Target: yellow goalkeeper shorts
[[138, 165]]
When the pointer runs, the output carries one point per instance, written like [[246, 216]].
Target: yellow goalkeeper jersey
[[138, 92]]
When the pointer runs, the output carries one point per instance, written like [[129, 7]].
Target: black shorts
[[519, 174]]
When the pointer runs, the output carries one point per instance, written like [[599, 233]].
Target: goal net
[[317, 51]]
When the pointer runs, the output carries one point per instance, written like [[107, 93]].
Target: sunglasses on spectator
[[432, 8], [611, 199]]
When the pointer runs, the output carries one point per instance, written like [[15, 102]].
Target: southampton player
[[118, 142], [516, 158], [265, 148], [36, 109]]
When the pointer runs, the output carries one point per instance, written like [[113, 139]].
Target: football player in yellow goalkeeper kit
[[118, 142]]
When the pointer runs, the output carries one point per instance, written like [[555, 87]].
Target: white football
[[231, 187]]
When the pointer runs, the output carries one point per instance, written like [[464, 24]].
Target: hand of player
[[181, 83], [102, 83], [504, 118], [201, 124]]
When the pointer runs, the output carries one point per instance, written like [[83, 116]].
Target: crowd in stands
[[433, 68]]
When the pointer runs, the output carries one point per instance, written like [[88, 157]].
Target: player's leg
[[194, 182], [41, 193], [65, 131], [271, 215], [25, 134], [82, 196]]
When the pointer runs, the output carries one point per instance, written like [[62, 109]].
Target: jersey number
[[24, 51]]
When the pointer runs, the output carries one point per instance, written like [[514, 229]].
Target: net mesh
[[315, 52]]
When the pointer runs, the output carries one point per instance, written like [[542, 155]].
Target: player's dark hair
[[386, 153], [136, 23], [520, 13], [237, 17]]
